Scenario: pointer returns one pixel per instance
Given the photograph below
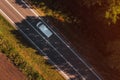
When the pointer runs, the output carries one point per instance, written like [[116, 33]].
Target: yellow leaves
[[107, 14], [112, 14]]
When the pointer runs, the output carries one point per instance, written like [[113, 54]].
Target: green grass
[[23, 55]]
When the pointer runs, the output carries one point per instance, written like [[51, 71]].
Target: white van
[[44, 29]]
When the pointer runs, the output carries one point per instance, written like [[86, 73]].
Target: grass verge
[[23, 55]]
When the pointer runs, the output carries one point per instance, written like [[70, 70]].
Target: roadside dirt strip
[[8, 71]]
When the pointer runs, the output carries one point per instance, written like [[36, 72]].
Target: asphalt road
[[61, 54]]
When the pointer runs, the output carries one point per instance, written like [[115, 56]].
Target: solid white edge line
[[6, 16], [14, 9], [17, 28], [3, 14], [30, 8], [64, 42], [45, 40]]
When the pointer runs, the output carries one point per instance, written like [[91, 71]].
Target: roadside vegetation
[[71, 10], [23, 55], [55, 9]]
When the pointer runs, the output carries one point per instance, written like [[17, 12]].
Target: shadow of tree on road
[[91, 36], [25, 26], [21, 3], [22, 40]]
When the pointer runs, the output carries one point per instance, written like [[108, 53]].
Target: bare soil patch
[[8, 71]]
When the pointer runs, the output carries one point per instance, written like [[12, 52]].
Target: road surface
[[58, 51]]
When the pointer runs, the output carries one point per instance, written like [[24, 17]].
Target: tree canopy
[[111, 7], [108, 9]]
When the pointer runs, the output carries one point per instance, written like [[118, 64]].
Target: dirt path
[[8, 71]]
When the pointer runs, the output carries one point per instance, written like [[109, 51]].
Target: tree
[[110, 8]]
